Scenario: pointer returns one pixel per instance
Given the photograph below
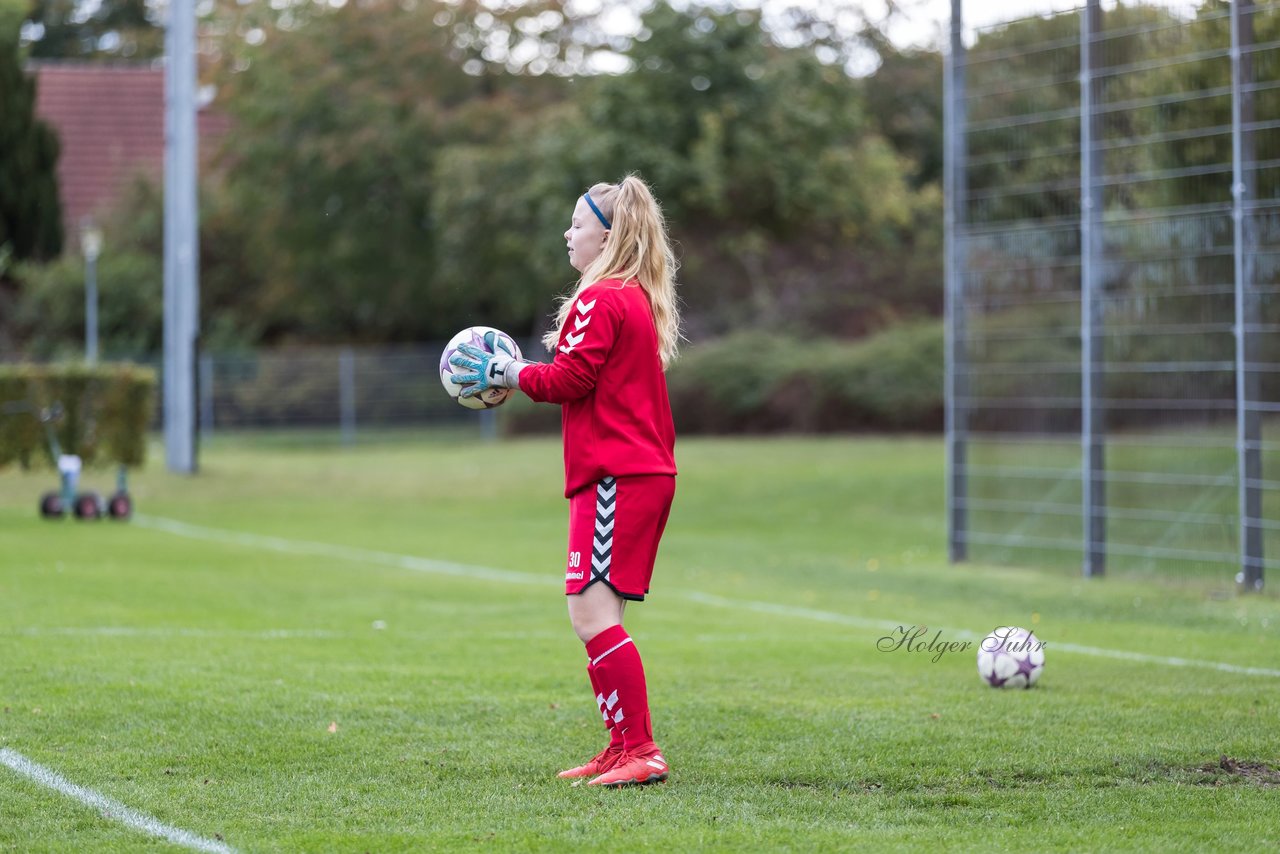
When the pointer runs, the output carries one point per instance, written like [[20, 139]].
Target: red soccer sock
[[615, 734], [619, 676]]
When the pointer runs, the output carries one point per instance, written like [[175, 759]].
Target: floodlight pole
[[1248, 416], [1092, 410], [956, 364], [181, 239]]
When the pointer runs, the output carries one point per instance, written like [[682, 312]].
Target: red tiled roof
[[110, 124]]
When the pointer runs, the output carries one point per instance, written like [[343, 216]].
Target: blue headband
[[599, 215]]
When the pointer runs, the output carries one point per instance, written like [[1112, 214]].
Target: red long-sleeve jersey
[[607, 377]]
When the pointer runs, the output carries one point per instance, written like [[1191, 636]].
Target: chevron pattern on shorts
[[602, 539]]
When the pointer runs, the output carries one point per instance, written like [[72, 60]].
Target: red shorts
[[614, 529]]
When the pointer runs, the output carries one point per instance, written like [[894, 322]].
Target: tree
[[404, 181], [776, 180], [904, 99], [30, 214], [48, 313], [335, 159], [109, 30], [790, 211]]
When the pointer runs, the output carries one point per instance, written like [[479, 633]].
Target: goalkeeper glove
[[498, 369]]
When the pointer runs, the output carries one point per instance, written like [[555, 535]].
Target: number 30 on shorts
[[575, 560]]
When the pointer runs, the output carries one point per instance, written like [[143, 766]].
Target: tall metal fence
[[1113, 288]]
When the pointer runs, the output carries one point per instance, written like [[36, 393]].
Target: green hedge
[[106, 410], [758, 382]]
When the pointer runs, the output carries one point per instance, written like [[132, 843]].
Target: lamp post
[[91, 246]]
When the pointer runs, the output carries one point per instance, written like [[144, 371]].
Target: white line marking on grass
[[417, 564], [161, 632], [1163, 659], [792, 611], [109, 807], [307, 547], [964, 634]]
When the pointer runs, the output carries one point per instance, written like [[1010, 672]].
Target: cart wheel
[[88, 506], [120, 507], [51, 506]]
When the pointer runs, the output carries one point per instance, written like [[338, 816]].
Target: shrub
[[756, 382], [106, 410], [762, 383]]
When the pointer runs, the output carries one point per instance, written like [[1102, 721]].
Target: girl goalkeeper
[[615, 336]]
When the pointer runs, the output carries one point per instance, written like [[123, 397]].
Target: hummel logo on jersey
[[579, 323]]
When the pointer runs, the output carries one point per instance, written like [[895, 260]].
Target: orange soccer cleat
[[600, 763], [634, 769]]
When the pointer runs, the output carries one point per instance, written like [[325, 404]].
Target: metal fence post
[[347, 394], [1248, 417], [206, 395], [488, 425], [1092, 412], [956, 366]]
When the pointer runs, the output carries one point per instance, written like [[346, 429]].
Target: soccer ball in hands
[[484, 338], [1010, 657]]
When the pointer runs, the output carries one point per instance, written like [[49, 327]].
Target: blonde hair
[[638, 249]]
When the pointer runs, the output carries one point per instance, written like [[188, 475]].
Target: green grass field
[[283, 654]]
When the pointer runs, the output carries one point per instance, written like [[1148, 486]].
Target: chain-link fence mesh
[[351, 390]]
